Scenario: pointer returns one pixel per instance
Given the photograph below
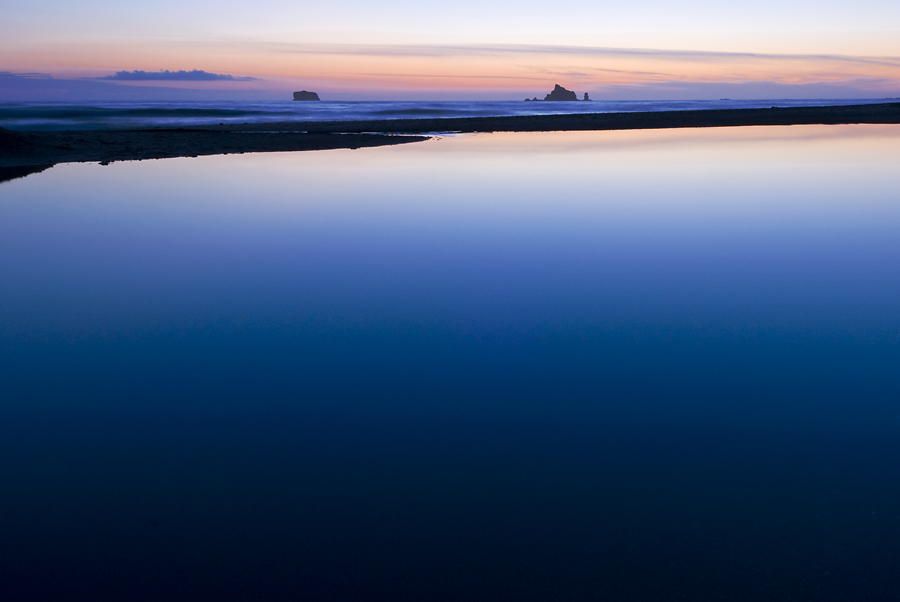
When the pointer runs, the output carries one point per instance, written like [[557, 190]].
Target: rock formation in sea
[[304, 95], [560, 93], [586, 97]]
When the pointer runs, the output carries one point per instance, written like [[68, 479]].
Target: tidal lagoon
[[625, 365]]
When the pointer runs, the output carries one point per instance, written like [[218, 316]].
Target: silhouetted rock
[[586, 97], [560, 93], [304, 95]]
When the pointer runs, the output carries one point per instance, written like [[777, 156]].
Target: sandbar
[[22, 153]]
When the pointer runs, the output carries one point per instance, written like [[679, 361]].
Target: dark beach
[[874, 113], [22, 153]]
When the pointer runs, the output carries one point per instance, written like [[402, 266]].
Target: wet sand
[[872, 113], [22, 153]]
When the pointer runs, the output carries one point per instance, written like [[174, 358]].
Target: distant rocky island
[[560, 93], [304, 95]]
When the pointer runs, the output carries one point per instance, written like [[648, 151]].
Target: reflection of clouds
[[871, 140]]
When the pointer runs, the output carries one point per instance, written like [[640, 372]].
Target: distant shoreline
[[22, 153], [880, 113]]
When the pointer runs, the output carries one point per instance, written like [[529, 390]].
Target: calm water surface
[[622, 365]]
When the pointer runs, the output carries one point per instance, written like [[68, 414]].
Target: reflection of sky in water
[[485, 304]]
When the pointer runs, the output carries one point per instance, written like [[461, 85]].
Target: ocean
[[628, 365], [82, 116]]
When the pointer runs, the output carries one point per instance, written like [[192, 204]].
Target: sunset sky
[[466, 49]]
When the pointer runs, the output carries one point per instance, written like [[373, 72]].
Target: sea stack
[[304, 95], [560, 93], [586, 97]]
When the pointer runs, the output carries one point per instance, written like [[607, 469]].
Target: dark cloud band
[[197, 75]]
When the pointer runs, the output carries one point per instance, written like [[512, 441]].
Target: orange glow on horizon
[[451, 68]]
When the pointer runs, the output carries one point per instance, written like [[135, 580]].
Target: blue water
[[608, 365], [80, 116]]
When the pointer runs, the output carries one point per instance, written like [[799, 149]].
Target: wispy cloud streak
[[450, 51]]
